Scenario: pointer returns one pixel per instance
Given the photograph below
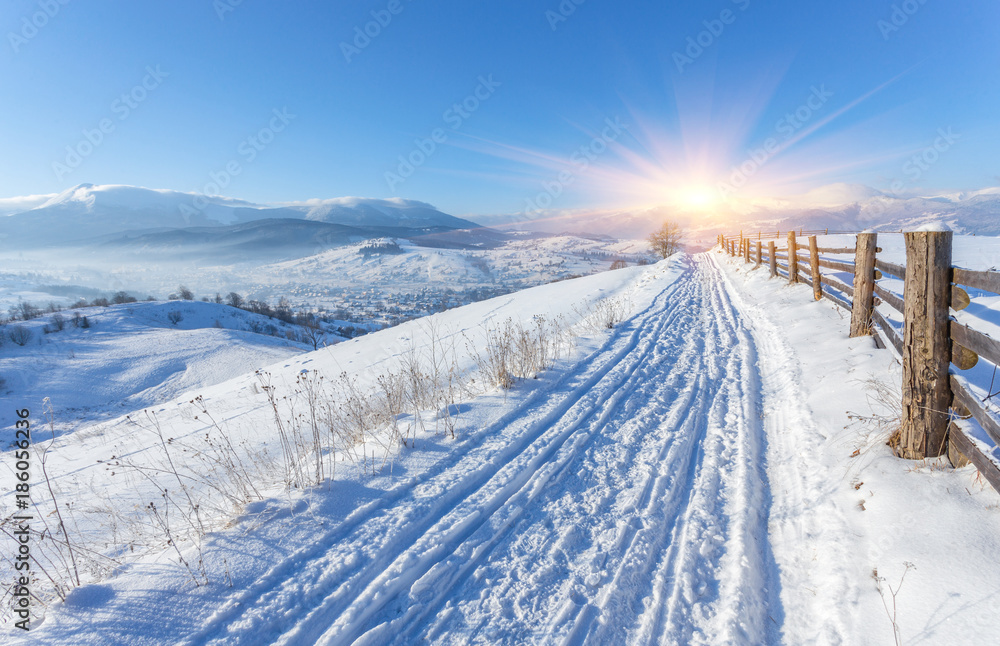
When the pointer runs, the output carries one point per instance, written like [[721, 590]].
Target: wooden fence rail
[[941, 413]]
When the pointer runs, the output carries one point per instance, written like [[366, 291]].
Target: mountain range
[[139, 221], [844, 207], [129, 220]]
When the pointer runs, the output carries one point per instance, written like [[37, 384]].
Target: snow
[[132, 356], [698, 474], [933, 227], [854, 513]]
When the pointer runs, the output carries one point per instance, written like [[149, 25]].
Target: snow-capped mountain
[[846, 207], [86, 212]]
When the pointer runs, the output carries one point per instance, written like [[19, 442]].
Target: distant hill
[[86, 212], [270, 240], [849, 207]]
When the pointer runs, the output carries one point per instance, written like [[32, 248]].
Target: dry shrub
[[882, 425]]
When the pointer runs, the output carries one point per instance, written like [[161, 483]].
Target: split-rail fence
[[940, 411]]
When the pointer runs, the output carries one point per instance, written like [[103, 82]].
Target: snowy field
[[697, 474], [133, 355]]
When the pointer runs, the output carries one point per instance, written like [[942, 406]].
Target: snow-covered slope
[[696, 474], [134, 355], [528, 261]]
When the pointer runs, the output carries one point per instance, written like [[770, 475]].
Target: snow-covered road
[[627, 504]]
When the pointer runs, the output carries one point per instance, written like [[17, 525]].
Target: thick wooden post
[[926, 344], [758, 255], [746, 250], [771, 260], [864, 284], [793, 259], [814, 268]]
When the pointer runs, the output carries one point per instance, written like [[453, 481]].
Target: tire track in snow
[[627, 503], [526, 475], [344, 559]]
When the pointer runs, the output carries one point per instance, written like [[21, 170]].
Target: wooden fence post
[[771, 260], [746, 250], [926, 344], [793, 259], [814, 268], [758, 255], [864, 284]]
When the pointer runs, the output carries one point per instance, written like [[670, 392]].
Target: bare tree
[[312, 333], [185, 293], [234, 300], [666, 240]]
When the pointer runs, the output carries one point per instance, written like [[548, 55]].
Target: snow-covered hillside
[[697, 472], [134, 355], [527, 262]]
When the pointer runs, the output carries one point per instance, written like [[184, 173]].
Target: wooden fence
[[940, 410]]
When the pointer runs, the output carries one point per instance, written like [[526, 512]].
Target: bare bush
[[605, 314], [881, 585], [19, 335]]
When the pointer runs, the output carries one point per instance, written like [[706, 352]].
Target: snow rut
[[626, 504]]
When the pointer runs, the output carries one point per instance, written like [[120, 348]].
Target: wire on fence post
[[926, 344]]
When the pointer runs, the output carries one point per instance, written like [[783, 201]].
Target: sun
[[695, 196]]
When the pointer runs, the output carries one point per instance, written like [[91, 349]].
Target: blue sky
[[271, 101]]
